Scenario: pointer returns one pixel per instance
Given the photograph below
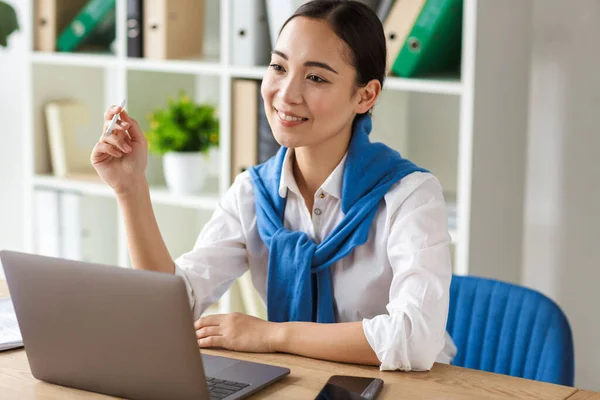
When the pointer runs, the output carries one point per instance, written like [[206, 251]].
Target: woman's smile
[[289, 119]]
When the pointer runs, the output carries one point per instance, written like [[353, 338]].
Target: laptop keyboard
[[220, 388]]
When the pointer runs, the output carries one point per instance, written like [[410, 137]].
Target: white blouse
[[397, 283]]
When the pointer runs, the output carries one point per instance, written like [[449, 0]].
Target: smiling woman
[[347, 241]]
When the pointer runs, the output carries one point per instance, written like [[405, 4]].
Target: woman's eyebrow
[[317, 64]]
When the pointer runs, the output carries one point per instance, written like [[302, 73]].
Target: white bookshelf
[[159, 194], [471, 131]]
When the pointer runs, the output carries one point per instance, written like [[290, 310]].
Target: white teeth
[[286, 117]]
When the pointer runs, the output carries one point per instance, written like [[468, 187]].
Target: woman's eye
[[276, 67], [316, 79]]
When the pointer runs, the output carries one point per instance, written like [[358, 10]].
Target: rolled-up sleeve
[[412, 336], [219, 255]]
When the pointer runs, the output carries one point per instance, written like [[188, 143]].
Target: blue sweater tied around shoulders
[[299, 286]]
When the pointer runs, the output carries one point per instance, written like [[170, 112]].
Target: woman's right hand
[[121, 158]]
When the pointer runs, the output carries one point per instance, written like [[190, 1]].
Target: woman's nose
[[290, 91]]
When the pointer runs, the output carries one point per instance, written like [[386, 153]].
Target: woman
[[333, 228]]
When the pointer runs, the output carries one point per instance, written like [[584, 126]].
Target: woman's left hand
[[236, 331]]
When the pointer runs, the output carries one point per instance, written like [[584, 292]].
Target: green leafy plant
[[8, 22], [183, 126]]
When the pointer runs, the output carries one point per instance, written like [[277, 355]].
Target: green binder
[[94, 20], [433, 45]]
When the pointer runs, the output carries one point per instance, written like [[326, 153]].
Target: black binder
[[135, 28]]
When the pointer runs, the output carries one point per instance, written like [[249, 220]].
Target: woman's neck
[[313, 164]]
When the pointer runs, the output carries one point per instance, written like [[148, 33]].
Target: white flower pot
[[186, 172]]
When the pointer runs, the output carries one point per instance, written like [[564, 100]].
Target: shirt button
[[322, 196], [318, 211]]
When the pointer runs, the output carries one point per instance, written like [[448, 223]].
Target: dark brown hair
[[359, 27]]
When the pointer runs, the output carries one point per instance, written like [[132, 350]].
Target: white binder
[[47, 222], [58, 224], [278, 11], [250, 43], [70, 226]]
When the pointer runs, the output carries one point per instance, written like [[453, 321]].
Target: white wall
[[11, 147], [562, 218]]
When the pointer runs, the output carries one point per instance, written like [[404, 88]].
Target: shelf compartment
[[433, 85], [98, 60], [199, 66], [54, 83], [190, 33], [159, 194], [144, 99], [247, 72], [424, 128], [75, 226]]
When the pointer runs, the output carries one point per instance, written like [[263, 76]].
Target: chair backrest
[[509, 329]]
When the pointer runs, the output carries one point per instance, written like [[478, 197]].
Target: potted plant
[[184, 133], [8, 22]]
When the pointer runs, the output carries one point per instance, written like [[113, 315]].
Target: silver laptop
[[118, 331]]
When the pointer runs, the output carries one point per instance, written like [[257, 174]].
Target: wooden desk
[[308, 376], [585, 395]]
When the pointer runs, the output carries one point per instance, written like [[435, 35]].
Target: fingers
[[208, 331], [118, 139], [102, 149], [134, 128], [118, 126], [111, 111], [212, 341], [209, 320]]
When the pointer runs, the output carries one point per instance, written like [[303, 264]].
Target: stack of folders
[[10, 335], [74, 25], [423, 37], [158, 29], [165, 29]]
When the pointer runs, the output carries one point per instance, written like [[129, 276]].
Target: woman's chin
[[288, 141]]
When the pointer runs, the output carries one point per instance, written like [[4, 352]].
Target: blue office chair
[[509, 329]]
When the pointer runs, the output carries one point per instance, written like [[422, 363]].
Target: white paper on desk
[[10, 335]]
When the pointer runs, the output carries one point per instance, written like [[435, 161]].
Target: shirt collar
[[287, 180], [332, 185]]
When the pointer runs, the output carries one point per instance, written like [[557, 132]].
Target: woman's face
[[309, 88]]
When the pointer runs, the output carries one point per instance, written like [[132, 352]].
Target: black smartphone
[[343, 387]]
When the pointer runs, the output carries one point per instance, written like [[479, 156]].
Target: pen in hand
[[114, 119]]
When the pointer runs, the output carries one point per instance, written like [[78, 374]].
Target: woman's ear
[[367, 96]]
